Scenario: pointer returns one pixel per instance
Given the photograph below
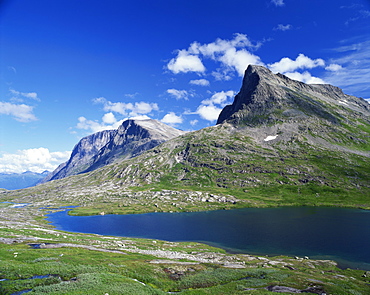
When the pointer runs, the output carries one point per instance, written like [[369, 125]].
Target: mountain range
[[281, 142], [13, 181]]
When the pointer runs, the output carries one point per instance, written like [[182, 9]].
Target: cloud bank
[[232, 56], [290, 68], [35, 160], [127, 109]]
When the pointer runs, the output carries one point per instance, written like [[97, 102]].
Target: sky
[[71, 68]]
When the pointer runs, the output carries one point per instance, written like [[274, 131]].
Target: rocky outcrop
[[131, 139]]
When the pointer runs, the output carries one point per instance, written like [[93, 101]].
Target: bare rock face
[[83, 151], [266, 98], [131, 139]]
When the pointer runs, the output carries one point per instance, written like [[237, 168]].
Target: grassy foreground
[[67, 263]]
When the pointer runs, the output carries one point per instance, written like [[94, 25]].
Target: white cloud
[[95, 126], [360, 13], [127, 109], [209, 112], [333, 67], [301, 62], [239, 60], [289, 68], [20, 112], [35, 160], [220, 46], [232, 55], [172, 119], [178, 94], [109, 118], [142, 107], [31, 95], [208, 109], [132, 95], [200, 82], [219, 98], [185, 62], [222, 75], [304, 77], [281, 27], [278, 2], [117, 112], [194, 122]]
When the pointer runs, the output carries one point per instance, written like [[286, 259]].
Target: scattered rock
[[159, 261], [282, 289]]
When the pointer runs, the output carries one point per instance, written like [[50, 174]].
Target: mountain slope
[[281, 142], [83, 151], [99, 149]]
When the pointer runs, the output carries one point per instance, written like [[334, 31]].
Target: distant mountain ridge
[[13, 181], [132, 138]]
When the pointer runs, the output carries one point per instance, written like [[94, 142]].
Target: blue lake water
[[340, 234]]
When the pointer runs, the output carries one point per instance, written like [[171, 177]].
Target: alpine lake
[[338, 234]]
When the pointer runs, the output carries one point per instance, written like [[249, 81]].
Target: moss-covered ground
[[124, 270]]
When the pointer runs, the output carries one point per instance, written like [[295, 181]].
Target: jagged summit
[[268, 98], [132, 138]]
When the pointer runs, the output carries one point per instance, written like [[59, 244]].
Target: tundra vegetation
[[42, 260]]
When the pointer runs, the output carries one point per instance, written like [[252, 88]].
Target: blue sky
[[70, 68]]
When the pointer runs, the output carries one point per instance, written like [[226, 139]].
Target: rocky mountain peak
[[267, 98], [132, 138]]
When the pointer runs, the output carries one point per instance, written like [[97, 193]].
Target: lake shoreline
[[161, 265], [315, 251]]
